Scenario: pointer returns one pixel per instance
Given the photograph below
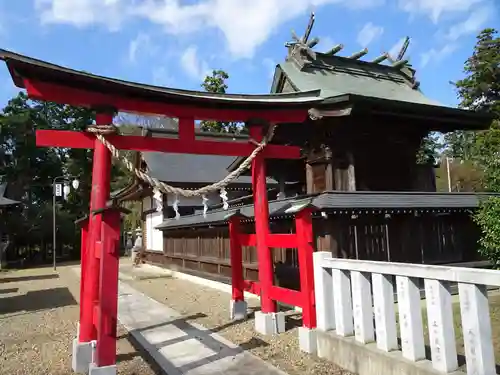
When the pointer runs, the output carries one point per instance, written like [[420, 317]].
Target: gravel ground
[[191, 299], [38, 316]]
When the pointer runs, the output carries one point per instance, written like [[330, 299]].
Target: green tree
[[216, 83], [480, 91], [460, 144], [29, 171], [429, 150]]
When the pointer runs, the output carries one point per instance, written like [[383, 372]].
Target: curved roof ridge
[[17, 61]]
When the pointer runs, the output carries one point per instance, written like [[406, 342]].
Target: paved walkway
[[180, 346]]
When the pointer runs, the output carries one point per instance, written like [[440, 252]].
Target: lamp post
[[75, 183], [448, 172]]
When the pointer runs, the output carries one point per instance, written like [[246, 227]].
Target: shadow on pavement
[[28, 278], [139, 352], [37, 300], [9, 290]]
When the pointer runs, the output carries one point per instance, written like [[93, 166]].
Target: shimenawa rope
[[101, 131]]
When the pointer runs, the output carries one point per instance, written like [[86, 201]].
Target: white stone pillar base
[[238, 310], [104, 370], [82, 356], [269, 323], [307, 340]]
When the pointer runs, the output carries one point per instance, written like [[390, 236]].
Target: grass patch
[[494, 300]]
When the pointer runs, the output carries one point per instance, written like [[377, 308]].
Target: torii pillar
[[48, 82], [86, 354]]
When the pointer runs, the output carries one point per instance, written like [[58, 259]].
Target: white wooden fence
[[350, 293]]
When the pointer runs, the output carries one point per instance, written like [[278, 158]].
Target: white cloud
[[434, 9], [369, 33], [245, 24], [82, 13], [436, 55], [472, 24], [192, 65], [140, 44]]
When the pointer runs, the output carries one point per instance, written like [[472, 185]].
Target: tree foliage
[[480, 91], [216, 83], [488, 219], [429, 150], [30, 171]]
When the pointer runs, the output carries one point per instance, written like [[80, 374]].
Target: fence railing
[[357, 298]]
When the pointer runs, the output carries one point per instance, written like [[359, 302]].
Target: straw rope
[[100, 131]]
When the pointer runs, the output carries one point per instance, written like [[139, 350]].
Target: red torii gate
[[94, 350]]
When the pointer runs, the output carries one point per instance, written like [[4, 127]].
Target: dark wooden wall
[[360, 153], [206, 250], [426, 238]]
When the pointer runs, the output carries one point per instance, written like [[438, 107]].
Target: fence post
[[304, 235], [238, 306], [410, 318], [323, 292], [303, 223], [362, 307], [476, 325], [342, 302], [441, 328], [385, 315]]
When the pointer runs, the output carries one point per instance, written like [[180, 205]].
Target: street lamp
[[56, 192], [448, 172]]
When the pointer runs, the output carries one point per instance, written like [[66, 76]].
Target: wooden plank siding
[[405, 237]]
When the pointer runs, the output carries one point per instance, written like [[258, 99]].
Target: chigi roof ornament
[[303, 47], [300, 52]]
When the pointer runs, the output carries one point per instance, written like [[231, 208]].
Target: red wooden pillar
[[261, 208], [83, 223], [101, 174], [107, 309], [236, 253], [304, 233]]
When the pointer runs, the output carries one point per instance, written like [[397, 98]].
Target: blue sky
[[176, 42]]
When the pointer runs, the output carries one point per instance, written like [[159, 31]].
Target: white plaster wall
[[154, 237]]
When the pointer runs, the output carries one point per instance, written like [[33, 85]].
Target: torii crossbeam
[[94, 349]]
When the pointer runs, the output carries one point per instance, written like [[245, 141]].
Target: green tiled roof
[[335, 76]]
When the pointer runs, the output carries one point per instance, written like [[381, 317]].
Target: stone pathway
[[178, 345], [207, 304]]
